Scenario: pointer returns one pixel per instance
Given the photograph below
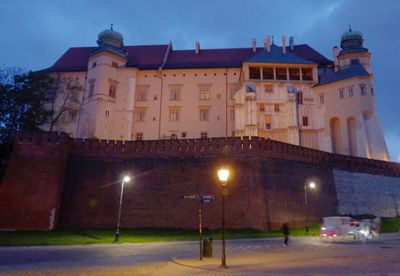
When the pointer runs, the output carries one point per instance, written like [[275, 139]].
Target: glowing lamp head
[[223, 175], [312, 185], [126, 179]]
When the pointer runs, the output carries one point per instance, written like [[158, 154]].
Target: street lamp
[[223, 175], [124, 180], [311, 185]]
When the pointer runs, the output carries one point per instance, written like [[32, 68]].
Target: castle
[[288, 93]]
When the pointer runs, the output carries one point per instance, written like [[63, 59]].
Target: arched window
[[335, 135]]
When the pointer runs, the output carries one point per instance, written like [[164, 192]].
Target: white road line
[[258, 246]]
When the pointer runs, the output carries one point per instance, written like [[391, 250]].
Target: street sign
[[191, 196], [201, 198]]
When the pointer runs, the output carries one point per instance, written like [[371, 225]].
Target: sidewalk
[[334, 258]]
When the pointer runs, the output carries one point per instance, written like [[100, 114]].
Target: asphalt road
[[244, 257]]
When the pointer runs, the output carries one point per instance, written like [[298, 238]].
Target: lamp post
[[223, 175], [311, 185], [124, 180]]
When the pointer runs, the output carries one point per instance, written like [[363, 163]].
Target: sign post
[[202, 199]]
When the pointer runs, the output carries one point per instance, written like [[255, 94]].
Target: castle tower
[[101, 89], [353, 51], [352, 125]]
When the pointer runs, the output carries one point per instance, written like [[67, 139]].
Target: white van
[[346, 226]]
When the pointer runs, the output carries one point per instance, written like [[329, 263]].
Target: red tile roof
[[151, 57]]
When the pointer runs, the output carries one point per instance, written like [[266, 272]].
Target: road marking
[[258, 246]]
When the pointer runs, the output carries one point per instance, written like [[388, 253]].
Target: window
[[204, 93], [268, 122], [183, 135], [233, 88], [351, 92], [299, 97], [354, 61], [305, 121], [255, 73], [262, 108], [276, 107], [218, 96], [281, 74], [51, 95], [341, 94], [294, 73], [321, 99], [268, 73], [175, 94], [204, 114], [94, 64], [307, 74], [113, 89], [141, 95], [174, 114], [140, 115], [139, 136], [74, 96], [107, 113], [204, 135], [72, 116], [362, 90], [174, 136], [372, 91], [232, 114], [91, 88], [268, 88], [114, 64]]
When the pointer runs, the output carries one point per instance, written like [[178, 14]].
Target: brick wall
[[31, 189], [83, 178]]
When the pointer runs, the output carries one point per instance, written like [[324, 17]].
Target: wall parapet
[[210, 147]]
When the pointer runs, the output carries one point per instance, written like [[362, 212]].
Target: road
[[244, 257]]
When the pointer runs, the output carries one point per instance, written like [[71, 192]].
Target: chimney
[[254, 44], [335, 58], [291, 43], [267, 44], [197, 47], [284, 44]]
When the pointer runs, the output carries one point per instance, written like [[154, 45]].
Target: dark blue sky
[[36, 33]]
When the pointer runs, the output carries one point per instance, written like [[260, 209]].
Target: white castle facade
[[289, 93]]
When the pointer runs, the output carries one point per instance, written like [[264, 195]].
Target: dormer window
[[255, 73]]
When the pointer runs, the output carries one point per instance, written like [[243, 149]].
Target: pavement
[[307, 256], [304, 256]]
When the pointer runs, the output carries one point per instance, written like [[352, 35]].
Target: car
[[342, 226]]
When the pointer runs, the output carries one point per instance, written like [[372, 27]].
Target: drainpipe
[[226, 102], [298, 117], [160, 76]]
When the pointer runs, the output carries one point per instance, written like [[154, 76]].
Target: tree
[[62, 100], [22, 98]]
